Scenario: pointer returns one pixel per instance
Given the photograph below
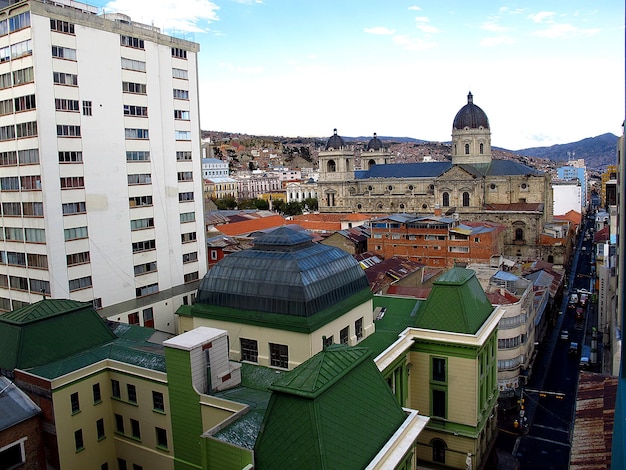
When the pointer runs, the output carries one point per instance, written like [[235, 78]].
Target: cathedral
[[472, 184]]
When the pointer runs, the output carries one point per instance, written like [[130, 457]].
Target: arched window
[[445, 200], [439, 450], [482, 148], [519, 234], [331, 167], [466, 199], [371, 163], [466, 149]]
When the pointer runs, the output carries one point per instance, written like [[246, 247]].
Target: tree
[[246, 204], [225, 203], [278, 205], [311, 203], [292, 208], [261, 204]]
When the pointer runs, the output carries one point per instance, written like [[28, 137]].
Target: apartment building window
[[32, 209], [161, 438], [8, 158], [26, 129], [145, 245], [439, 450], [140, 178], [131, 110], [70, 157], [21, 49], [11, 183], [121, 464], [438, 404], [136, 134], [136, 65], [100, 429], [181, 94], [140, 201], [80, 283], [190, 277], [249, 350], [185, 197], [145, 268], [138, 156], [140, 224], [5, 80], [24, 103], [78, 440], [185, 176], [279, 355], [6, 107], [147, 290], [183, 156], [7, 132], [13, 234], [119, 424], [20, 21], [28, 156], [63, 104], [30, 183], [72, 182], [75, 259], [37, 261], [344, 335], [70, 208], [130, 41], [63, 53], [22, 76], [74, 403], [68, 130], [75, 233], [136, 88], [132, 393], [178, 52], [438, 369], [115, 388], [187, 217], [188, 237], [181, 115], [180, 73], [97, 396], [38, 286], [157, 401], [35, 235], [61, 26], [18, 282], [11, 209], [15, 259], [148, 317], [190, 257], [182, 135], [328, 341], [60, 78], [87, 108], [358, 328], [133, 318]]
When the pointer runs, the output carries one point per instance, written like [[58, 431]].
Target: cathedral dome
[[375, 144], [284, 272], [470, 116], [335, 142]]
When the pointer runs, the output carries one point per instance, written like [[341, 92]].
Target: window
[[138, 156], [180, 73], [22, 76], [10, 209], [63, 53], [185, 176], [188, 237], [466, 199], [13, 455], [6, 107], [14, 234], [16, 259], [157, 401], [147, 290], [190, 277], [249, 350], [180, 115], [100, 429], [213, 254], [186, 196], [8, 158], [38, 286], [181, 94], [145, 268], [187, 217], [136, 65], [97, 303], [119, 424], [26, 129], [72, 182], [467, 149], [61, 26], [20, 21], [37, 261], [71, 157], [63, 104], [183, 156], [178, 52], [35, 235], [328, 341], [141, 224], [161, 437], [28, 156], [190, 257], [134, 429], [145, 245], [344, 335], [438, 403], [87, 108], [74, 402], [24, 103], [132, 393], [439, 451], [445, 199], [482, 148], [80, 283], [141, 178], [5, 80], [7, 132], [136, 133], [97, 396], [32, 209], [61, 78], [115, 388], [358, 328], [21, 49], [70, 208], [68, 131], [182, 135], [148, 317], [10, 183], [519, 234], [121, 464], [131, 110], [133, 318], [78, 440], [279, 355], [439, 369], [131, 87], [130, 41], [104, 466], [18, 282], [140, 201]]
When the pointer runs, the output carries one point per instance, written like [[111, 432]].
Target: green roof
[[457, 303], [47, 331], [318, 409]]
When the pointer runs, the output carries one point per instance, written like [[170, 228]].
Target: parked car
[[573, 299], [583, 299], [573, 348]]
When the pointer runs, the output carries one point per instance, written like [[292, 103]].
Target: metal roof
[[15, 405]]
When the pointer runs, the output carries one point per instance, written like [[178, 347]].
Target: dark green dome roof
[[284, 272], [335, 142], [470, 116]]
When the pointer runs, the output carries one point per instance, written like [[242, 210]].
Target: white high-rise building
[[100, 163]]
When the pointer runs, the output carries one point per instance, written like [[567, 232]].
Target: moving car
[[573, 348], [564, 335]]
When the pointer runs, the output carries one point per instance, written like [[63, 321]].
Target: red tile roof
[[245, 227]]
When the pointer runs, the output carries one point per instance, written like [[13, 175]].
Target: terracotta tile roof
[[572, 216], [516, 207], [602, 235], [409, 291], [318, 226], [247, 226]]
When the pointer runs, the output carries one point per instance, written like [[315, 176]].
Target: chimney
[[437, 210]]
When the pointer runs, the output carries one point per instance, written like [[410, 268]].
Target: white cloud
[[424, 27], [496, 41], [542, 17], [249, 2], [415, 8], [185, 15], [381, 30], [492, 25], [413, 44], [563, 30]]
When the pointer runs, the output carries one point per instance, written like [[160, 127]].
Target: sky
[[544, 71]]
